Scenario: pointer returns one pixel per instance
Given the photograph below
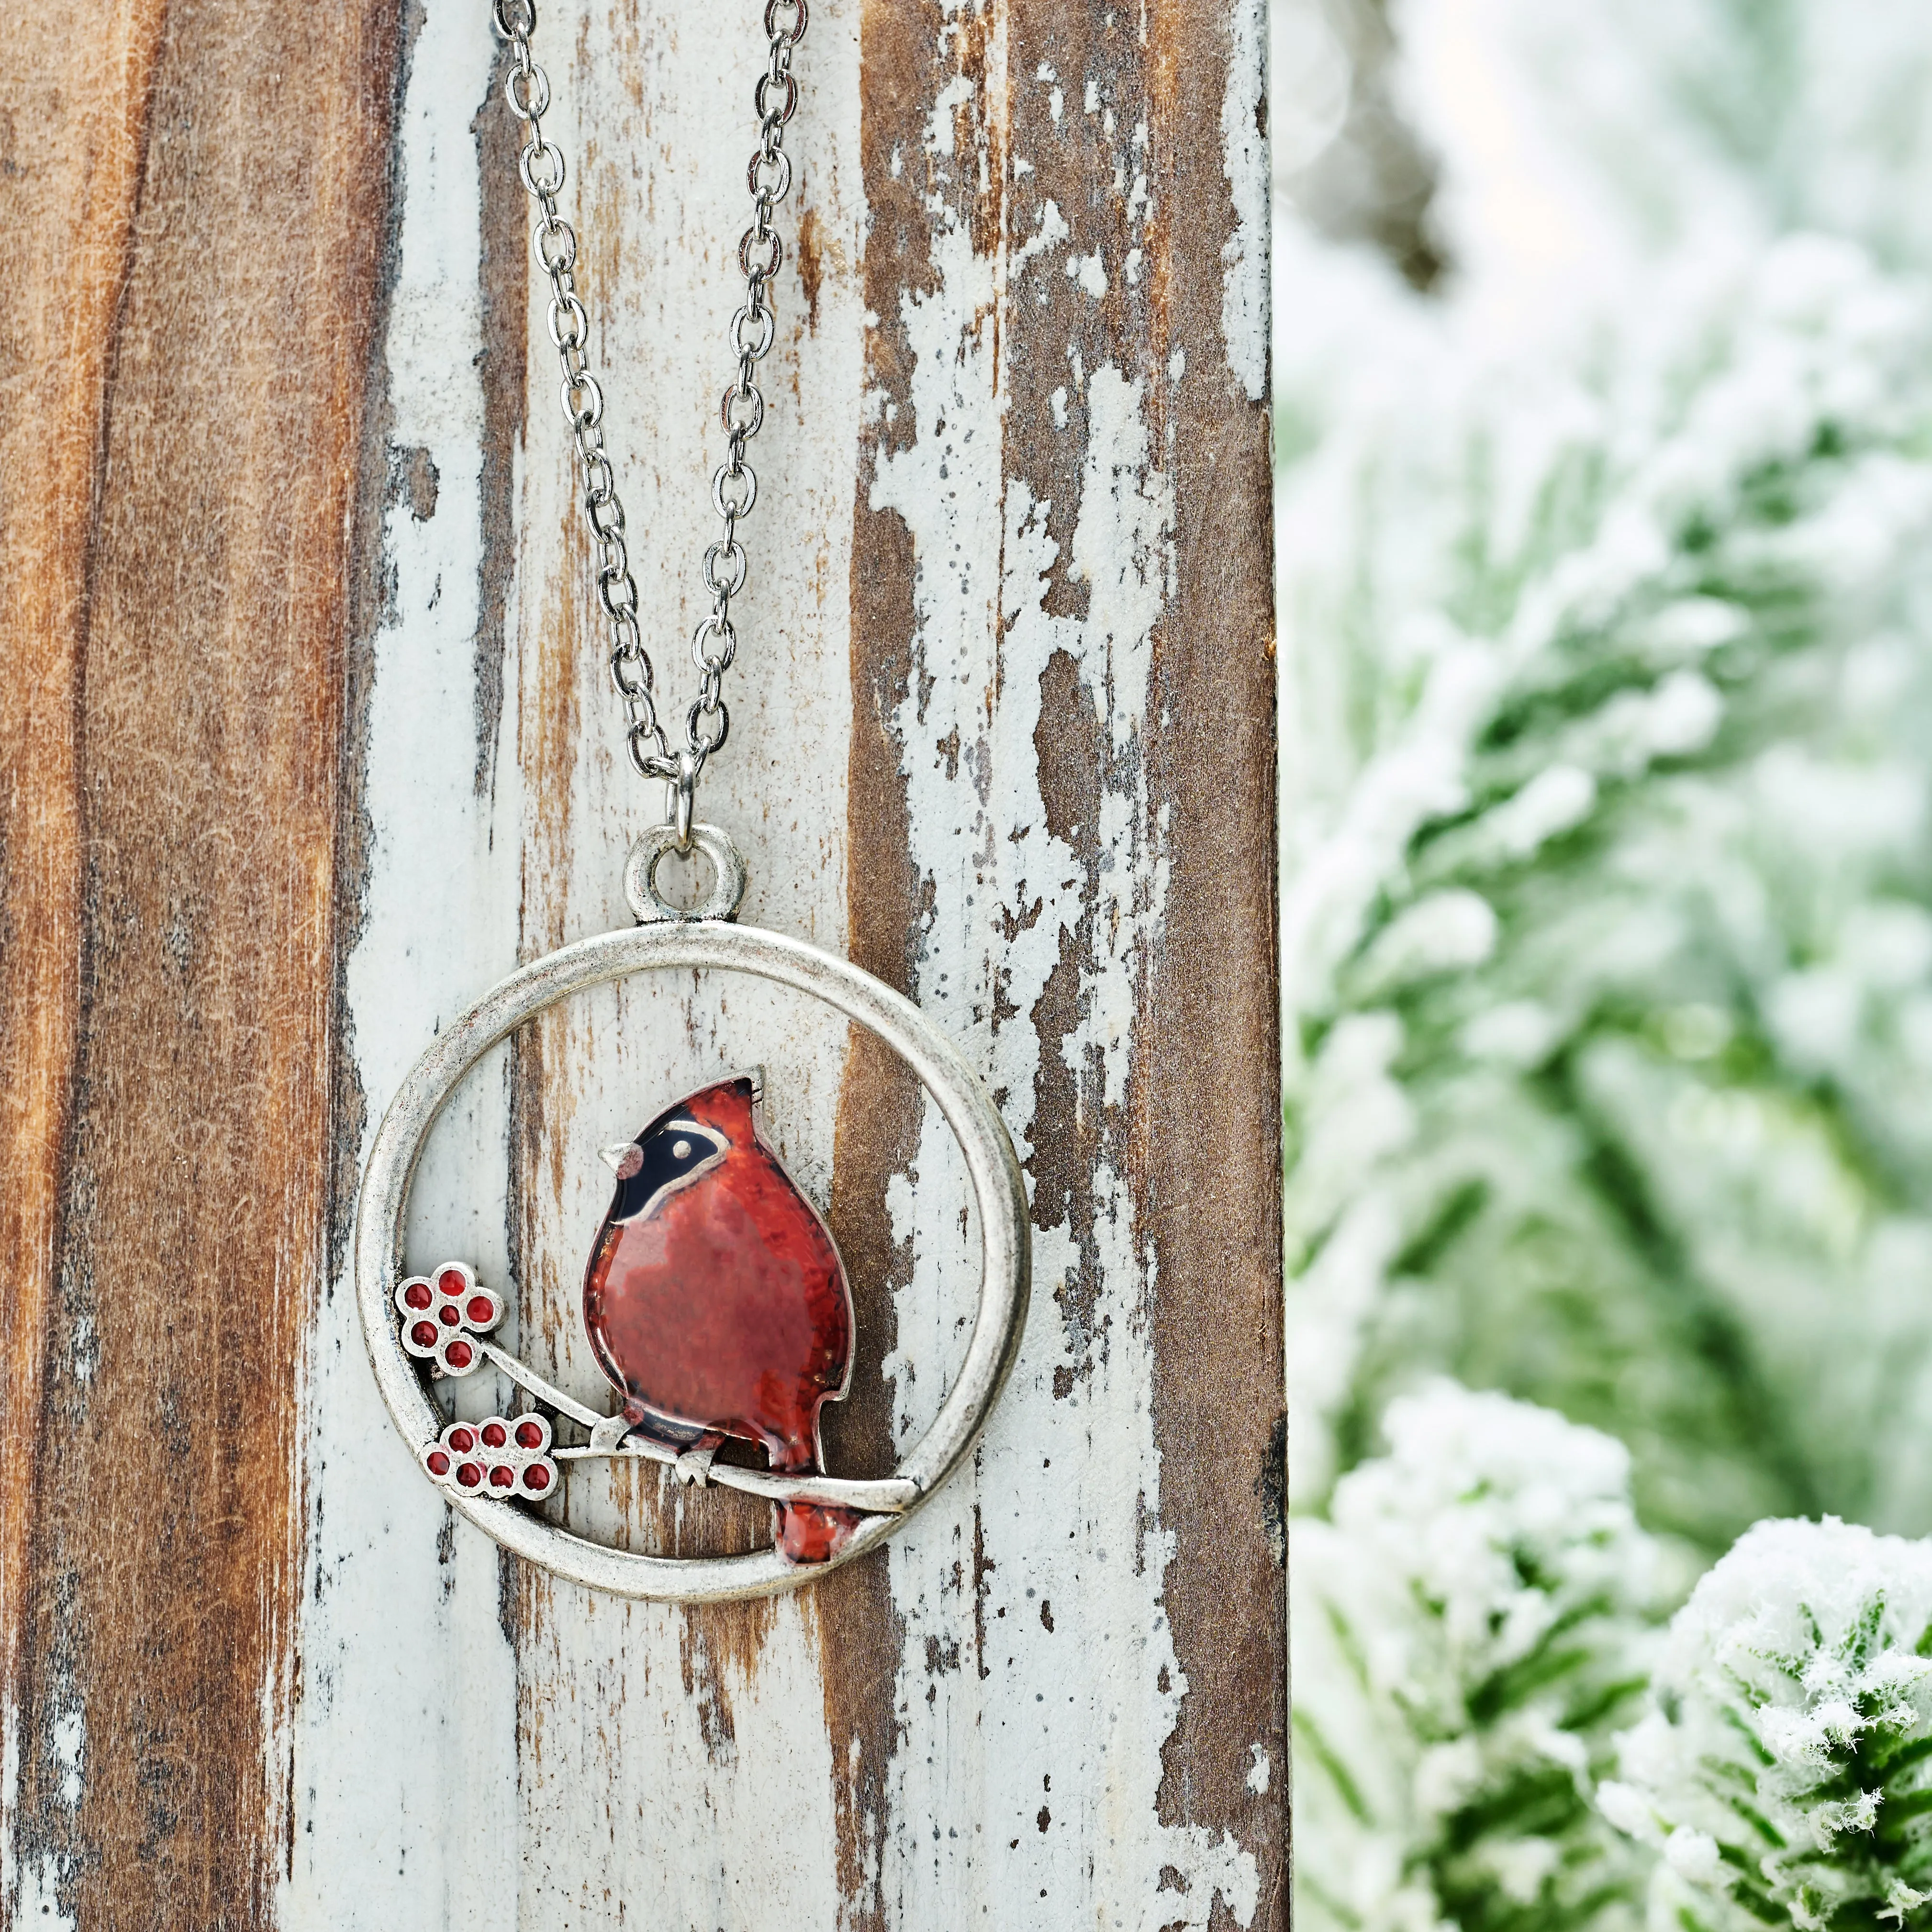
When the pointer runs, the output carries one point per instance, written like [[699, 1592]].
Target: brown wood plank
[[1210, 1135], [202, 190], [191, 464], [70, 156], [1198, 1132], [879, 1114]]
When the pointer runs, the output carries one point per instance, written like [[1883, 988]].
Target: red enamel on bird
[[716, 1303]]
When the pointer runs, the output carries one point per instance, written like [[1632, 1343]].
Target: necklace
[[715, 1302]]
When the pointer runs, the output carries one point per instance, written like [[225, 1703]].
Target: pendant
[[714, 1300]]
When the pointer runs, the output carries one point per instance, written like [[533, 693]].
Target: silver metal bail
[[681, 795]]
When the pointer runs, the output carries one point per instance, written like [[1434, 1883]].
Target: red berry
[[424, 1334], [438, 1463], [450, 1318], [417, 1295], [536, 1477], [451, 1282], [494, 1435], [462, 1440], [502, 1476], [459, 1354], [469, 1474], [529, 1435], [482, 1311]]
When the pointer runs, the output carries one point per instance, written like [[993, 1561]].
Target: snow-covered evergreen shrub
[[1608, 883], [1606, 617], [1469, 1632], [1786, 1770]]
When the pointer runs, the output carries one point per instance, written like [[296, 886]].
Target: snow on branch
[[1468, 1632], [1785, 1770]]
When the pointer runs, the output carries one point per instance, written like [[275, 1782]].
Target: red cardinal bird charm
[[716, 1303]]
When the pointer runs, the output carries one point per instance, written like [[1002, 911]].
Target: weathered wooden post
[[308, 740]]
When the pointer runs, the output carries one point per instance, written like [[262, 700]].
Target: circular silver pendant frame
[[713, 944]]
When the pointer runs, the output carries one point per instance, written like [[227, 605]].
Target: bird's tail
[[814, 1532]]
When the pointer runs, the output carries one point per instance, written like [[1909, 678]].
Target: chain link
[[734, 486]]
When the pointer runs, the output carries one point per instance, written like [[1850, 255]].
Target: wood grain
[[178, 488], [315, 741], [1060, 238], [75, 154]]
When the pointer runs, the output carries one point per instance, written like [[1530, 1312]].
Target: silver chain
[[734, 486]]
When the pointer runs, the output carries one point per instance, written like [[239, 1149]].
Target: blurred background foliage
[[1603, 395], [1606, 442]]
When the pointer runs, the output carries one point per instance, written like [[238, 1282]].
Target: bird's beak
[[614, 1154]]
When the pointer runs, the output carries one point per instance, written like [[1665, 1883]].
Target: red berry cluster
[[442, 1315], [494, 1457]]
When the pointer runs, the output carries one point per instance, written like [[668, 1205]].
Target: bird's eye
[[680, 1151]]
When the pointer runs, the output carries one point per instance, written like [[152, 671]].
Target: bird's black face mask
[[670, 1153]]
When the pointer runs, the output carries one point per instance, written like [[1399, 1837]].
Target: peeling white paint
[[1090, 271], [956, 93], [413, 1807], [27, 1890], [403, 1771], [1040, 1755], [1244, 264], [67, 1738], [37, 1902], [84, 1350], [619, 1764], [10, 1795], [654, 1766], [1052, 231], [32, 1885]]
